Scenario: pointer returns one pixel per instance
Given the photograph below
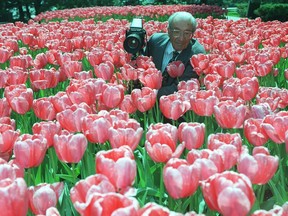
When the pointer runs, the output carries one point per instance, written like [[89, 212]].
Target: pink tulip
[[175, 69], [61, 101], [81, 192], [125, 133], [122, 166], [48, 129], [95, 127], [110, 204], [127, 104], [70, 119], [181, 179], [112, 95], [173, 106], [30, 150], [144, 99], [253, 165], [104, 70], [161, 143], [151, 78], [69, 147], [275, 126], [200, 62], [14, 197], [44, 196], [190, 85], [44, 109], [229, 193], [44, 78], [19, 97], [152, 208], [254, 132], [192, 134], [230, 114], [203, 101], [219, 139]]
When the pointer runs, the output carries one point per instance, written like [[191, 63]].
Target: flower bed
[[75, 141]]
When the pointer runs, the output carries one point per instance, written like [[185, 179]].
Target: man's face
[[180, 33]]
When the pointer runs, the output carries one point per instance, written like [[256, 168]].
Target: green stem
[[161, 187]]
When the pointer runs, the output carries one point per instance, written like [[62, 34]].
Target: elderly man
[[177, 45]]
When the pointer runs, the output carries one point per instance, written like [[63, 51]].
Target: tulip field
[[78, 138]]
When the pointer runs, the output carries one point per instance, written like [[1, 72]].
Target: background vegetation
[[23, 10]]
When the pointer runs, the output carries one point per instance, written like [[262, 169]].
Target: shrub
[[269, 12]]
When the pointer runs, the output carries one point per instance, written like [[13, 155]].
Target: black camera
[[135, 37]]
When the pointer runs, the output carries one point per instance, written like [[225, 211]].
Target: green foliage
[[242, 9], [269, 12]]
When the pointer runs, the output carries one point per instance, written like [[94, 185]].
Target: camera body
[[135, 37]]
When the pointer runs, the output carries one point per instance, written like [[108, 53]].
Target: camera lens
[[133, 43]]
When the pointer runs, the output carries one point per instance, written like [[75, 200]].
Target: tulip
[[254, 132], [249, 88], [95, 127], [71, 67], [44, 196], [263, 68], [16, 76], [84, 188], [173, 106], [22, 61], [144, 99], [161, 142], [110, 204], [44, 78], [201, 159], [129, 72], [70, 119], [259, 111], [8, 137], [231, 88], [30, 150], [127, 104], [144, 62], [104, 70], [69, 147], [253, 165], [152, 208], [80, 91], [203, 101], [230, 114], [213, 81], [270, 95], [61, 101], [175, 69], [47, 129], [44, 109], [192, 134], [246, 70], [181, 179], [19, 97], [275, 126], [5, 54], [151, 78], [229, 193], [225, 68], [219, 139], [122, 166], [200, 62], [112, 95], [14, 197], [125, 133], [190, 85]]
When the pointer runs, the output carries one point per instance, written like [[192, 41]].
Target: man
[[181, 27]]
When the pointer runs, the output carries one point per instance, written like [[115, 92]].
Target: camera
[[135, 37]]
